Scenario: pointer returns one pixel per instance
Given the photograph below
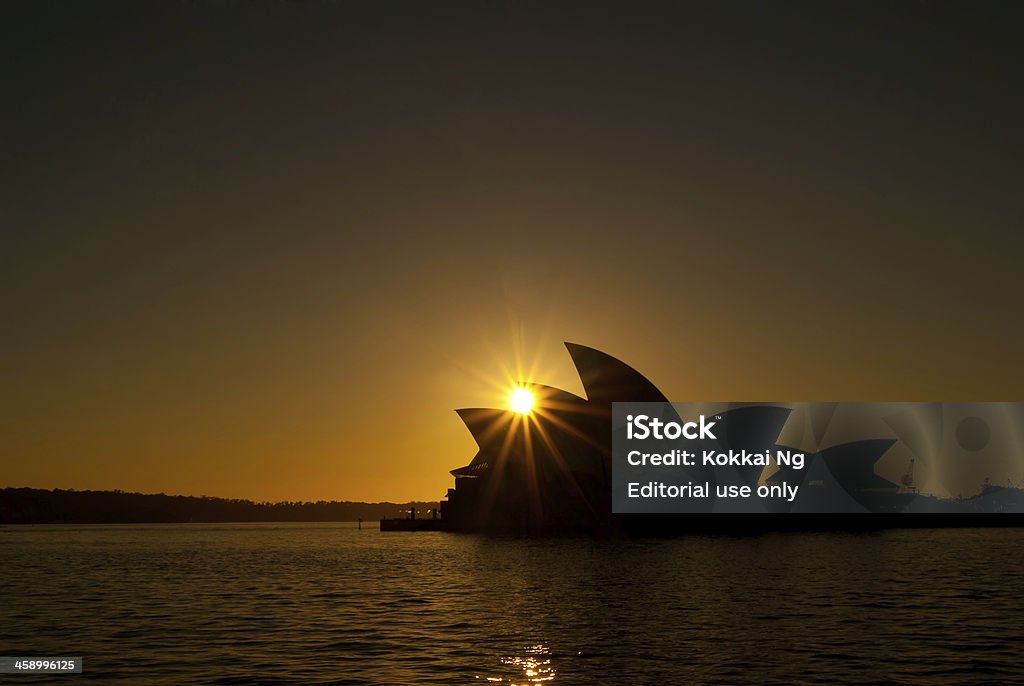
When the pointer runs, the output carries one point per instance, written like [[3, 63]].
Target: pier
[[410, 523]]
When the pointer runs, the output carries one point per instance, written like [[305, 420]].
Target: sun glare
[[521, 400]]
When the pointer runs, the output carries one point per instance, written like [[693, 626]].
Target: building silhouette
[[548, 471]]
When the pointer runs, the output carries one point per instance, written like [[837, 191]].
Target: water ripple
[[330, 604]]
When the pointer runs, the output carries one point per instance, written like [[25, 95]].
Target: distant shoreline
[[60, 506]]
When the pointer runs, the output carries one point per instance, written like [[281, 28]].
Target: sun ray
[[560, 462]]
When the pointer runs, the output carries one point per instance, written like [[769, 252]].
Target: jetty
[[410, 523]]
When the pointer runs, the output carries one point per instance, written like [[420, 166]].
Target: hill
[[40, 506]]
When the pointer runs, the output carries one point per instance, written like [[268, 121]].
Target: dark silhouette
[[549, 471], [39, 506]]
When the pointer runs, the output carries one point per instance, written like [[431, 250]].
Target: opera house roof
[[563, 427]]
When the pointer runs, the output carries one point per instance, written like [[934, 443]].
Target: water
[[327, 603]]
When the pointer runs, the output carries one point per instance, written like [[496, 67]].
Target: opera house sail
[[548, 470]]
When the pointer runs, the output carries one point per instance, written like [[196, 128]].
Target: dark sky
[[264, 249]]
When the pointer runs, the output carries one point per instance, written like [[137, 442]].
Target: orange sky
[[267, 258]]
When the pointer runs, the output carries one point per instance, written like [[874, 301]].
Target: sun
[[521, 400]]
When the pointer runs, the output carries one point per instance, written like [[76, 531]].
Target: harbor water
[[332, 604]]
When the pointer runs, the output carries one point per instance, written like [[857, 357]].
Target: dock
[[410, 523]]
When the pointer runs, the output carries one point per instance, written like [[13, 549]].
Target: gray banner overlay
[[40, 665], [818, 457]]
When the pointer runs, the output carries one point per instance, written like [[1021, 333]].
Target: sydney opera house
[[546, 468]]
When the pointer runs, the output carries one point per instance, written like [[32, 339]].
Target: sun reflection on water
[[535, 664]]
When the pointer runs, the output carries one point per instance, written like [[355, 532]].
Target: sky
[[263, 250]]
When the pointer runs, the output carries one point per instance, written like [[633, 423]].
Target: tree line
[[40, 506]]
